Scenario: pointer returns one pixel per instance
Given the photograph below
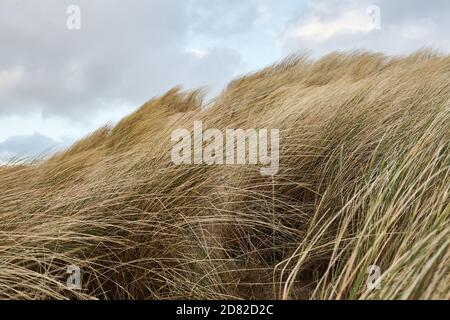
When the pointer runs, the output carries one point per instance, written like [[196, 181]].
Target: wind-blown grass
[[363, 180]]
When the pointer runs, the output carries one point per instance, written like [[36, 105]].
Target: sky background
[[57, 84]]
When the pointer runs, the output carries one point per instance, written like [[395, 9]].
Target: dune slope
[[363, 181]]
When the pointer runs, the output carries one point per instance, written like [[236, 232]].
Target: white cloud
[[198, 53], [403, 26], [318, 30]]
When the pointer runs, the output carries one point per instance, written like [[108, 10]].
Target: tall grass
[[363, 180]]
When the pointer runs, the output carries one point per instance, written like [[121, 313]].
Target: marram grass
[[364, 180]]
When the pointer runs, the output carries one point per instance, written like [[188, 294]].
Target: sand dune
[[363, 181]]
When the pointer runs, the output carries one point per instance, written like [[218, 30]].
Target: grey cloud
[[124, 53], [29, 146]]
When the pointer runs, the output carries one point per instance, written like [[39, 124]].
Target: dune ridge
[[363, 181]]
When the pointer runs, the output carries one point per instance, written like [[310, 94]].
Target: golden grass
[[363, 180]]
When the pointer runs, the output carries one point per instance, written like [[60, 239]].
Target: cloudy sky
[[58, 82]]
